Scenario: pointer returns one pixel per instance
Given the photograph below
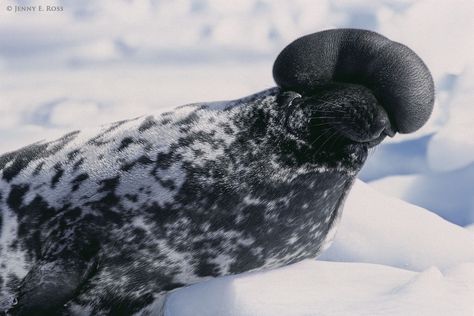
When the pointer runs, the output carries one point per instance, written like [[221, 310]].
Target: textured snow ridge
[[380, 229], [330, 288], [400, 260]]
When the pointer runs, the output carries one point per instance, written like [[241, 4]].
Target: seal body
[[104, 221]]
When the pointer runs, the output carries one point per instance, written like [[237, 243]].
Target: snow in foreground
[[400, 260], [331, 288]]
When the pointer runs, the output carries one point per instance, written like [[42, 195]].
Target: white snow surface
[[396, 259], [331, 288], [103, 61], [380, 229]]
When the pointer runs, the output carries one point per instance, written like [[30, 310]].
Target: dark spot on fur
[[226, 128], [245, 261], [168, 183], [188, 120], [142, 160], [164, 160], [24, 156], [78, 164], [125, 306], [21, 159], [98, 140], [198, 153], [31, 219], [253, 217], [72, 154], [15, 198], [160, 214], [165, 121], [13, 282], [76, 182], [172, 286], [38, 168], [6, 158], [131, 197], [147, 124], [108, 203], [109, 185], [59, 171], [125, 143], [206, 268]]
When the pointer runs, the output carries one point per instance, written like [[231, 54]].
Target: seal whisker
[[332, 104], [321, 135], [326, 124], [321, 147], [338, 137], [332, 111], [328, 111], [330, 117]]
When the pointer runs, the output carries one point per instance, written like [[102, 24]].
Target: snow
[[103, 61], [392, 260], [328, 288], [449, 194], [381, 229], [453, 146]]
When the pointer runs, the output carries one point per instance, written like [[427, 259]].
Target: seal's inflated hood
[[397, 76]]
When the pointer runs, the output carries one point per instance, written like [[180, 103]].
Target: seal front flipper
[[50, 284]]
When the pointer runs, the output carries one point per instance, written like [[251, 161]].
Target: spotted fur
[[106, 221]]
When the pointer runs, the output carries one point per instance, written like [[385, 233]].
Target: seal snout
[[351, 112], [379, 128], [380, 125], [370, 129]]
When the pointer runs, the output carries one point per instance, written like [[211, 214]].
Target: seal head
[[338, 116], [398, 78]]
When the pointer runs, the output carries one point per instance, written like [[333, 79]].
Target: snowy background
[[101, 61]]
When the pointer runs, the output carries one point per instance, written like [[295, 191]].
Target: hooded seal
[[105, 222]]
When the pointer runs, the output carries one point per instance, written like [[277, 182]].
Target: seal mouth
[[376, 141], [377, 138]]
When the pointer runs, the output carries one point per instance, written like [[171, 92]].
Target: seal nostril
[[389, 131], [384, 123], [380, 122]]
